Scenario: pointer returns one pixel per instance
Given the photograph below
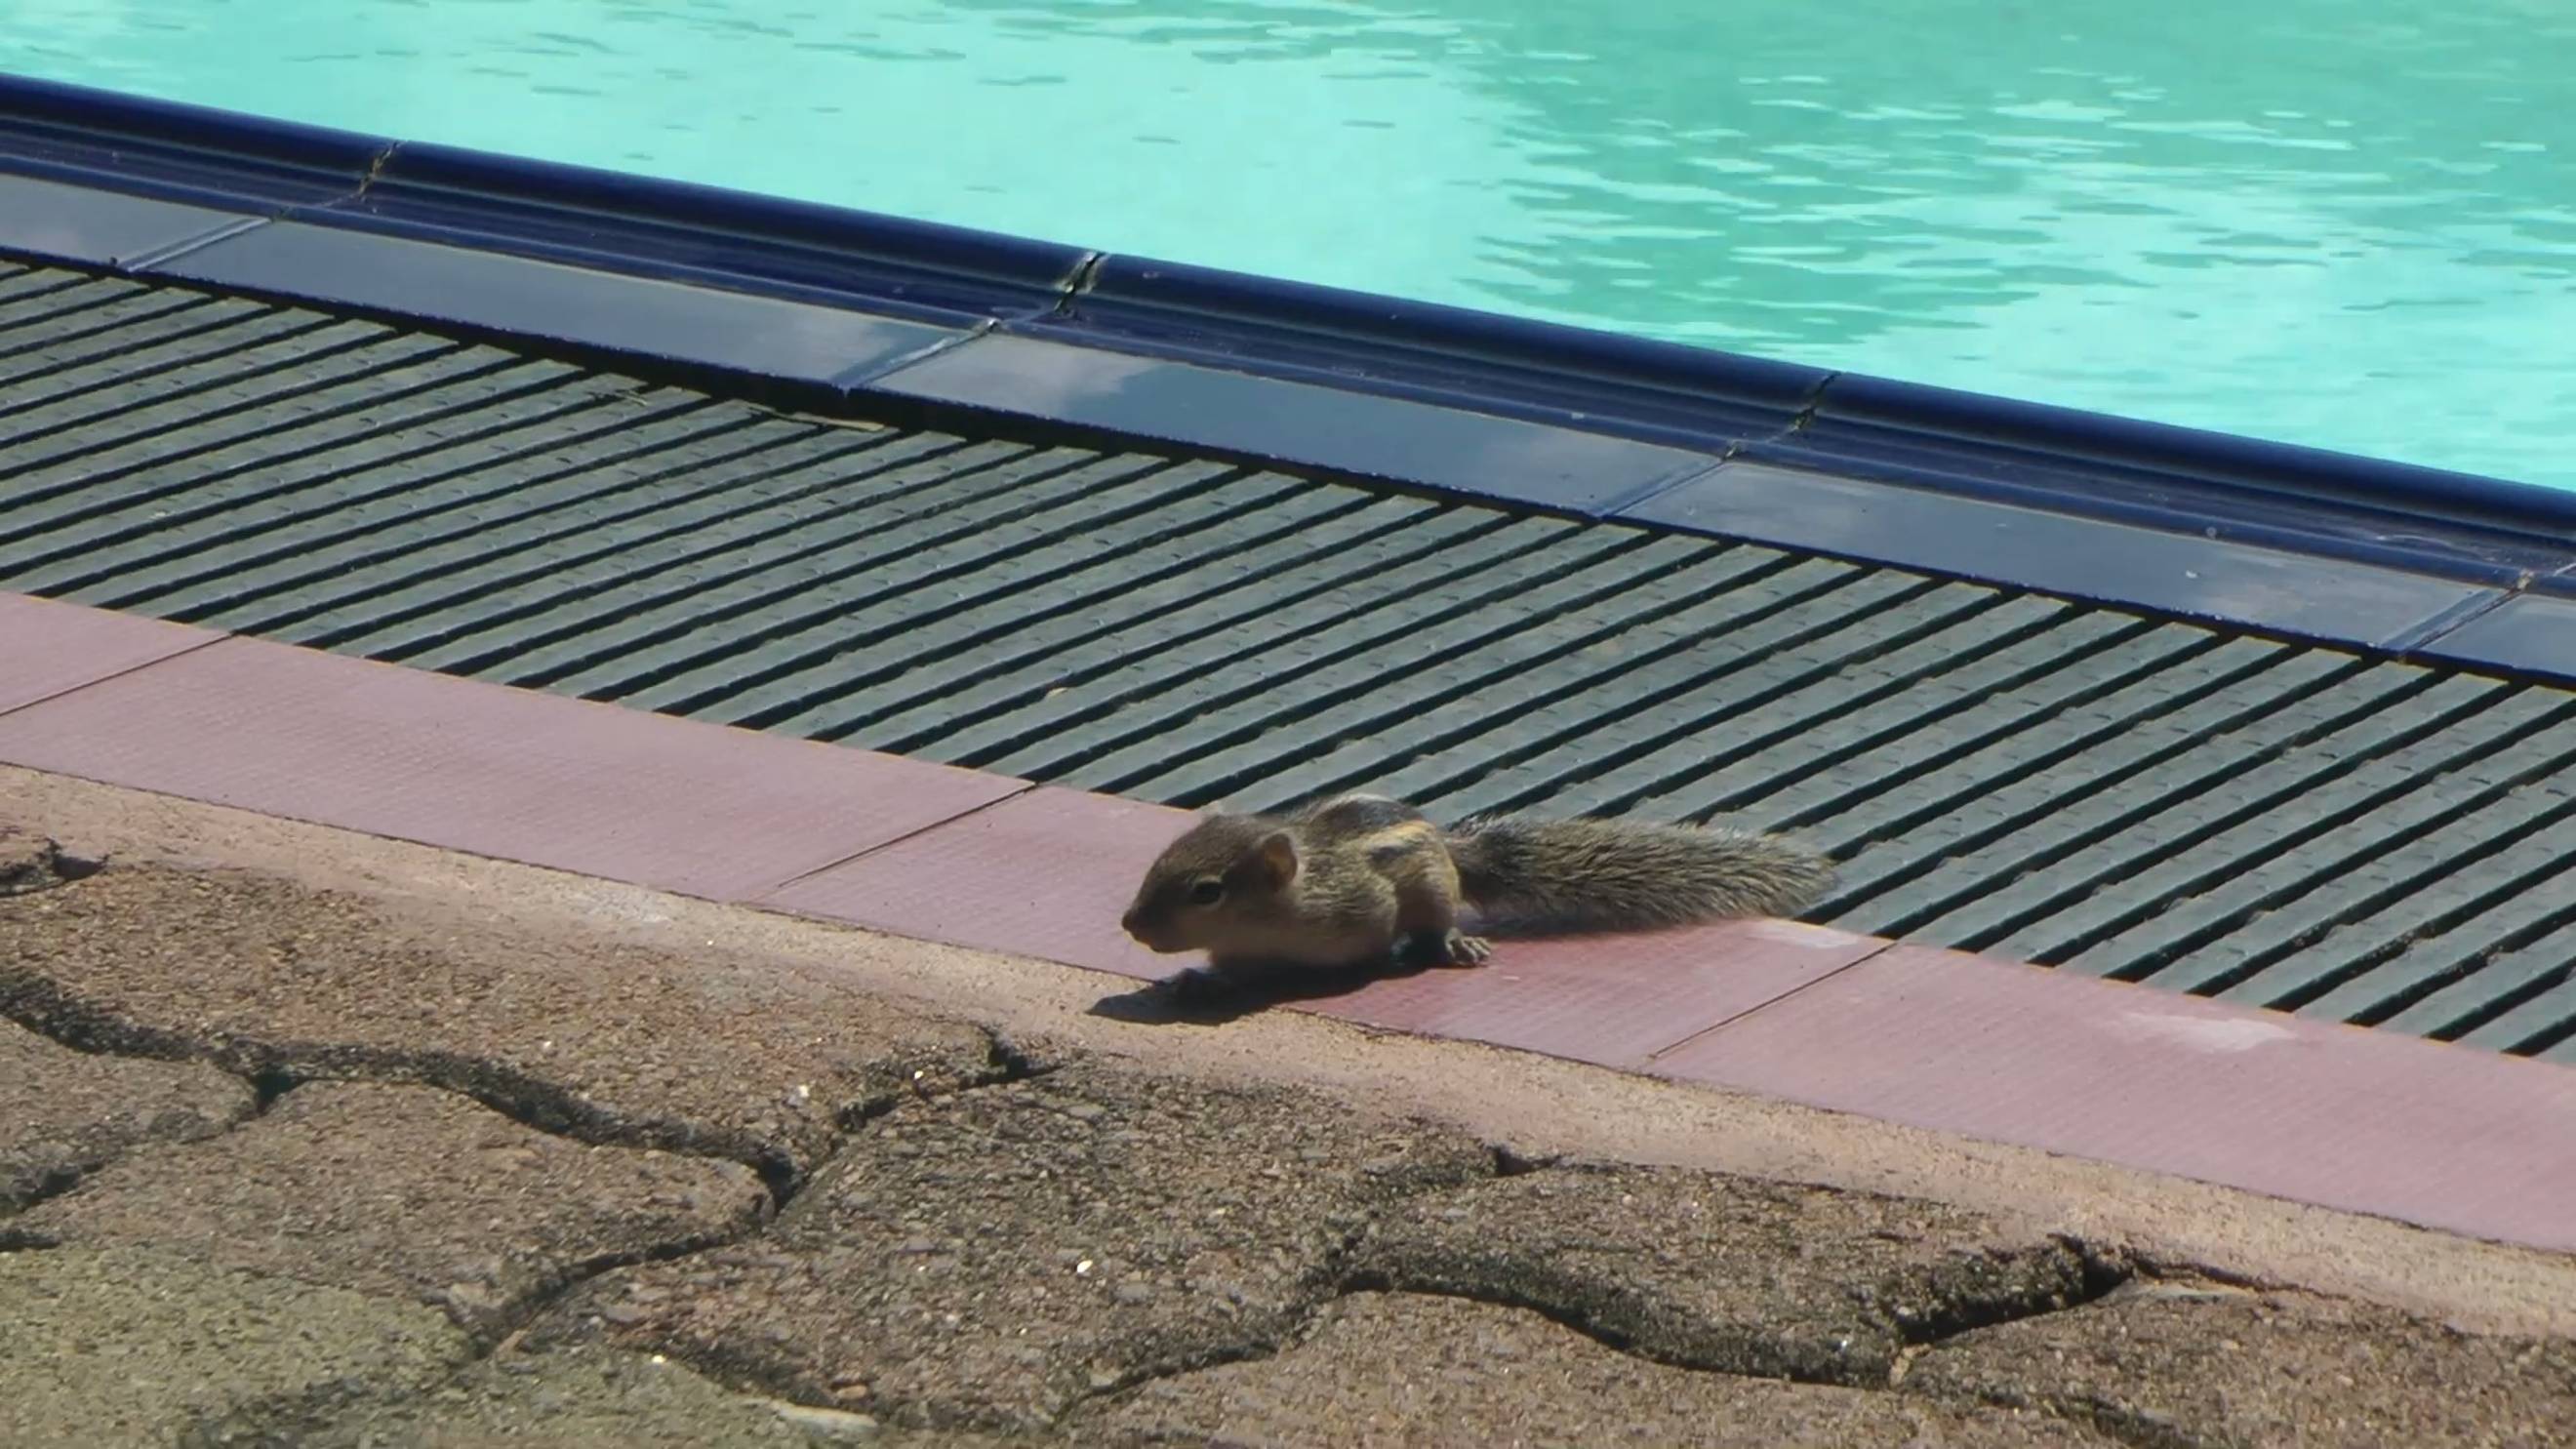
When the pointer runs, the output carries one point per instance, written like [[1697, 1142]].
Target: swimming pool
[[2347, 223]]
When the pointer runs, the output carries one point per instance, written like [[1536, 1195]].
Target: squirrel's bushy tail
[[1628, 875]]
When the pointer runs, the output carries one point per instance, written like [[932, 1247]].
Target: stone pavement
[[288, 1164]]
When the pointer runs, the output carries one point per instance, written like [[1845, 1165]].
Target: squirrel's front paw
[[1452, 947]]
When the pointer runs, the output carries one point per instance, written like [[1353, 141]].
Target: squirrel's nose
[[1127, 923]]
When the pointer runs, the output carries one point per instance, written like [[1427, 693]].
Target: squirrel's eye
[[1207, 892]]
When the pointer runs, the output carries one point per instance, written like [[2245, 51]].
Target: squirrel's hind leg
[[1426, 913]]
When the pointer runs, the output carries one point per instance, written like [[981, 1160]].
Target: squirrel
[[1361, 880]]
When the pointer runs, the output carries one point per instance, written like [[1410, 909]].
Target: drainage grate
[[1998, 771]]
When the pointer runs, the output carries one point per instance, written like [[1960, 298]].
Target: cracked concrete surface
[[1278, 1231], [131, 1346], [1712, 1271], [596, 1398], [633, 1048], [1388, 1370], [407, 1191], [2203, 1365], [64, 1113], [991, 1258], [30, 861], [584, 1397]]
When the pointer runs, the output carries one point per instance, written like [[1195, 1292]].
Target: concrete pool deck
[[318, 1136], [399, 1060]]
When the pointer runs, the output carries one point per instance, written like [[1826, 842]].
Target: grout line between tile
[[1721, 1024], [1679, 478], [1734, 448], [151, 260], [2442, 623], [763, 898], [865, 375], [376, 165], [7, 710]]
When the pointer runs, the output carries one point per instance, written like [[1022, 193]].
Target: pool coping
[[2442, 1136], [837, 310]]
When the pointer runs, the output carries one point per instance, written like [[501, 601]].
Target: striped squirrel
[[1360, 880]]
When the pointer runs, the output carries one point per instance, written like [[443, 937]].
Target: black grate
[[1998, 771]]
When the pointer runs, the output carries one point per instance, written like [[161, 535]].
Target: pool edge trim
[[1953, 457]]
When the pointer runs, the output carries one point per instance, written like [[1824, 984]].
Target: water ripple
[[2343, 222]]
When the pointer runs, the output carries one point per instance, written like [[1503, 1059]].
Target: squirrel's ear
[[1279, 858]]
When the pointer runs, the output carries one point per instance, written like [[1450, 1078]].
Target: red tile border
[[2375, 1122], [695, 808], [48, 648], [1616, 1000], [2345, 1117], [1046, 875]]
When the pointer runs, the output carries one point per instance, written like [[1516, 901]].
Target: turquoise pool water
[[2350, 223]]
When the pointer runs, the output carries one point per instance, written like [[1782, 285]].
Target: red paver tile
[[682, 806], [1615, 1000], [47, 648], [2374, 1122], [1046, 874]]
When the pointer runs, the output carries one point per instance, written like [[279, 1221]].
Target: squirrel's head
[[1215, 887]]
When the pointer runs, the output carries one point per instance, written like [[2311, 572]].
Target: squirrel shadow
[[1193, 997], [1196, 996]]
